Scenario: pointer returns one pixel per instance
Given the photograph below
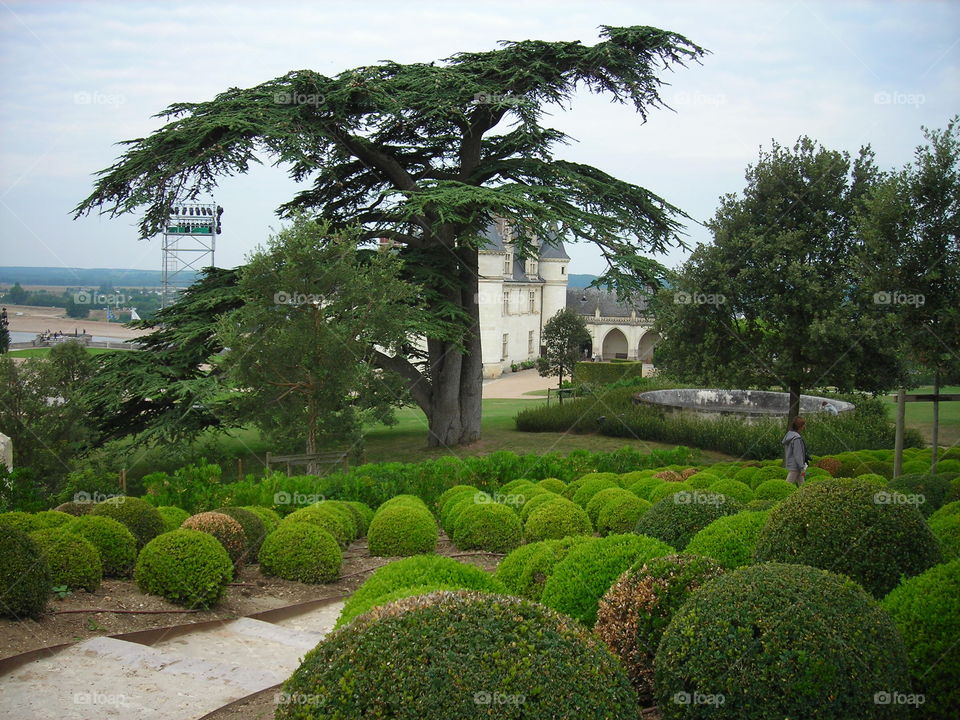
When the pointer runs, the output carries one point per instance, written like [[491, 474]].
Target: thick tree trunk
[[794, 410]]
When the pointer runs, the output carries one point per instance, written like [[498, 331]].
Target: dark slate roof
[[552, 249], [586, 300]]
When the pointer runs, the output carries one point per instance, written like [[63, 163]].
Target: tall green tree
[[16, 295], [4, 331], [564, 337], [424, 154], [777, 300]]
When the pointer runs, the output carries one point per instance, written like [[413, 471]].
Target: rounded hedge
[[363, 514], [926, 611], [541, 562], [450, 492], [451, 501], [587, 572], [590, 488], [747, 474], [595, 504], [301, 551], [729, 540], [643, 488], [735, 489], [510, 570], [224, 528], [850, 528], [556, 519], [554, 485], [702, 480], [52, 519], [402, 499], [22, 521], [488, 526], [676, 519], [779, 641], [187, 567], [621, 515], [946, 529], [417, 571], [774, 490], [951, 508], [254, 531], [25, 578], [634, 612], [667, 490], [669, 476], [932, 488], [462, 503], [73, 508], [347, 516], [270, 518], [402, 530], [485, 655], [533, 503], [115, 543], [172, 516], [73, 560], [140, 518], [325, 518]]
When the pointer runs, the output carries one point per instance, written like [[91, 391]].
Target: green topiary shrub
[[669, 489], [779, 641], [187, 567], [403, 499], [486, 655], [325, 518], [140, 518], [931, 488], [951, 508], [926, 611], [254, 531], [634, 612], [533, 503], [747, 475], [22, 521], [347, 516], [702, 480], [510, 569], [556, 519], [620, 515], [588, 489], [364, 513], [73, 560], [269, 518], [74, 508], [516, 487], [115, 543], [729, 540], [541, 562], [402, 530], [25, 578], [581, 579], [489, 526], [946, 529], [850, 528], [52, 519], [416, 571], [773, 490], [831, 464], [554, 485], [599, 500], [450, 492], [767, 472], [643, 488], [224, 528], [301, 551], [172, 516], [451, 501], [676, 519], [735, 489]]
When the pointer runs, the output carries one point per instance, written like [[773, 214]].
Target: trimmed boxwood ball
[[643, 488], [451, 504], [926, 611], [254, 531], [224, 528], [115, 543], [140, 517], [735, 489], [25, 578], [22, 521], [581, 579], [679, 517], [846, 527], [347, 516], [946, 529], [634, 612], [173, 516], [323, 517], [702, 480], [533, 503], [187, 567], [951, 508], [516, 487], [362, 515], [74, 508], [761, 505], [667, 490], [73, 560], [729, 540], [403, 499], [450, 492], [780, 641], [270, 518], [621, 515], [463, 503], [52, 519], [747, 474], [932, 488], [477, 649], [555, 485], [590, 488], [510, 569], [402, 530], [555, 519], [773, 490], [540, 563], [599, 500], [301, 551], [490, 526], [417, 571]]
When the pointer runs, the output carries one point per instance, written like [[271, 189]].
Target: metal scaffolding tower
[[188, 246]]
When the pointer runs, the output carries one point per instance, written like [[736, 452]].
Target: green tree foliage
[[564, 336], [776, 299], [4, 331], [16, 295], [423, 154]]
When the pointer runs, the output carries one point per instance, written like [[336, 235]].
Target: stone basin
[[745, 404]]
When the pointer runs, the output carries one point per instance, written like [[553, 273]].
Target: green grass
[[919, 415]]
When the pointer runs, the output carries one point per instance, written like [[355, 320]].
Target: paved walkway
[[514, 385]]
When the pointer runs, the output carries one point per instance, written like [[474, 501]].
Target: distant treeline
[[83, 277]]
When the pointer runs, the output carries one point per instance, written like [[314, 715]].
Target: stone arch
[[615, 345], [647, 343]]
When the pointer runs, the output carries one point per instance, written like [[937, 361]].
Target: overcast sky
[[77, 77]]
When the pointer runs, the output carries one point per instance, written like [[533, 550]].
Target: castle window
[[533, 301], [508, 264], [531, 267], [530, 343], [563, 270], [504, 350], [506, 303]]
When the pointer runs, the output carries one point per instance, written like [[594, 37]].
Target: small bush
[[541, 562], [774, 490], [676, 519], [325, 518], [553, 485], [115, 543], [830, 464], [600, 499], [926, 611], [805, 643], [729, 540], [140, 518], [951, 508], [533, 503], [74, 508], [476, 646], [488, 526], [347, 516], [25, 578], [702, 480], [364, 513], [224, 528], [52, 519], [590, 479], [172, 516], [556, 519], [301, 551], [417, 571], [581, 579], [946, 529], [587, 490], [847, 527], [621, 515], [269, 518], [73, 560], [932, 488], [402, 530], [450, 492], [22, 521], [185, 566], [669, 489], [510, 569], [634, 612], [254, 531], [643, 487], [735, 489]]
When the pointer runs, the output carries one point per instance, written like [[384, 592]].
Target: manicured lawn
[[919, 415]]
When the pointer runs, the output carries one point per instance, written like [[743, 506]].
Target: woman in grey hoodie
[[795, 452]]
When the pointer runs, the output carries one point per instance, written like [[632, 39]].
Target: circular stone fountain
[[747, 405]]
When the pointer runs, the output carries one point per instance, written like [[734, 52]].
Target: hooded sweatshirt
[[794, 451]]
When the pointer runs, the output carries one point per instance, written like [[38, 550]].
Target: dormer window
[[508, 263], [531, 267]]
